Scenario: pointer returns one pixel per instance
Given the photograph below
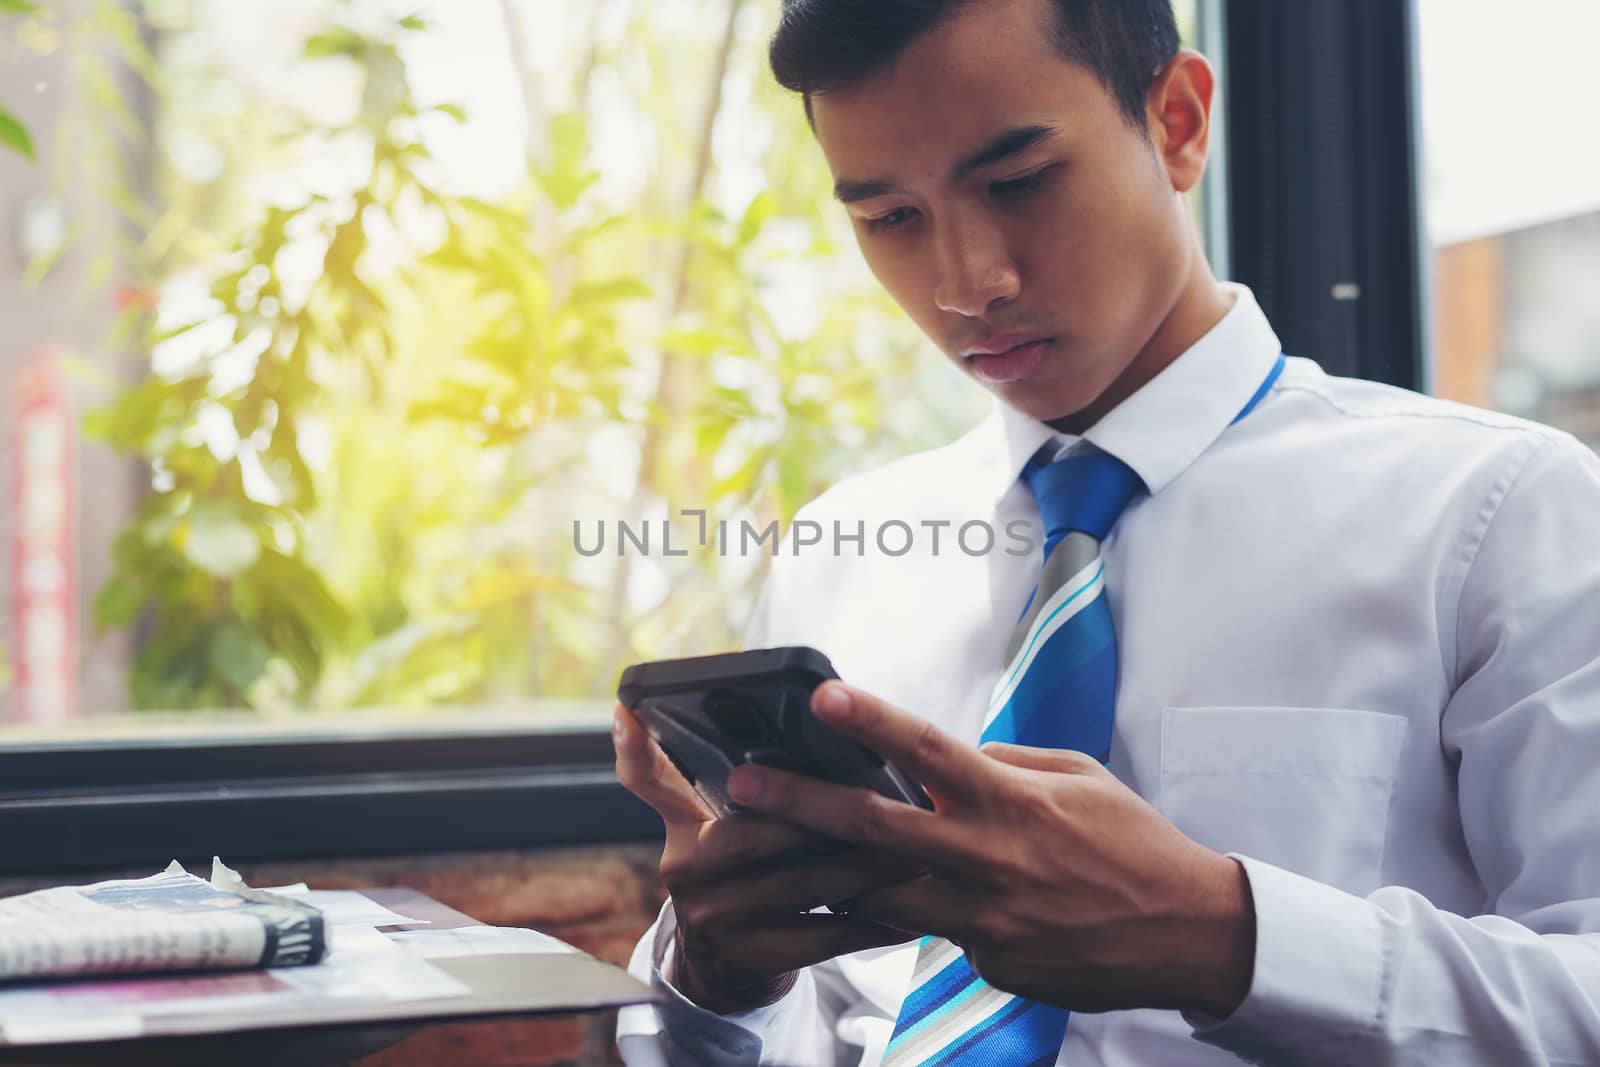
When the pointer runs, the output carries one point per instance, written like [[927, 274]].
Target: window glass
[[368, 356], [1512, 204]]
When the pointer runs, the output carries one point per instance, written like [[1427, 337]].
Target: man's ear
[[1179, 116]]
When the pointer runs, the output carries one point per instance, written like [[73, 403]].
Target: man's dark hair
[[823, 45]]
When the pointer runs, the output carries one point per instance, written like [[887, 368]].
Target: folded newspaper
[[172, 921]]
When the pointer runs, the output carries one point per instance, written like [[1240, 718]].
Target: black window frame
[[1320, 179], [103, 805], [1324, 210]]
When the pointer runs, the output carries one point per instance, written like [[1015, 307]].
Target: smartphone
[[709, 714]]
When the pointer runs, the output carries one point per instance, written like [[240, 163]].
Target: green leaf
[[119, 601], [89, 373], [238, 655], [14, 135], [569, 141], [19, 7], [699, 341], [100, 267], [122, 31], [756, 216], [495, 214], [568, 175], [304, 592], [100, 86], [337, 42], [218, 541], [455, 111], [610, 292], [414, 22]]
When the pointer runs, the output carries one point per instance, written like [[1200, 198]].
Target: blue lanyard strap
[[1266, 387]]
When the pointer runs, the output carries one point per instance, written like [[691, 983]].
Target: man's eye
[[893, 220], [1018, 186]]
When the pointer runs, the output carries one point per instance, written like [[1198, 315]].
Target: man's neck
[[1199, 307]]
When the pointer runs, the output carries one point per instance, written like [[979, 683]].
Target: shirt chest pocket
[[1306, 789]]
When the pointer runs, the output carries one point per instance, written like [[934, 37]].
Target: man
[[1355, 674]]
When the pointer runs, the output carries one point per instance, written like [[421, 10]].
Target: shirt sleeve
[[797, 1031], [1392, 979], [804, 1029]]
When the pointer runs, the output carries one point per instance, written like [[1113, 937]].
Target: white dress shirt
[[1359, 635]]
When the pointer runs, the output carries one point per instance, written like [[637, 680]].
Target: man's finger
[[848, 813], [749, 840], [829, 880], [925, 905], [1055, 760], [945, 766], [648, 774], [805, 940]]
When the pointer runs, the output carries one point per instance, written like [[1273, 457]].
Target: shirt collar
[[1175, 417]]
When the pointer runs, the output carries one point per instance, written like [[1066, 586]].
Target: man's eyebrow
[[1008, 144], [848, 192]]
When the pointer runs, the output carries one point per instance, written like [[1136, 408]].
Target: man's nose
[[976, 271]]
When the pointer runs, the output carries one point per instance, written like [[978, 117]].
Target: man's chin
[[1060, 408]]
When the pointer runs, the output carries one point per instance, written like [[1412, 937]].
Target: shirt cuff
[[693, 1035], [1317, 993]]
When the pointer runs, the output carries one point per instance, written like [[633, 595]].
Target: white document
[[49, 1029], [476, 941], [346, 907]]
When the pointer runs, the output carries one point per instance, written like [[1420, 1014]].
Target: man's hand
[[742, 887], [1058, 881]]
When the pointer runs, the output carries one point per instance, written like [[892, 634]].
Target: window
[[368, 356], [363, 326], [336, 333], [1513, 208]]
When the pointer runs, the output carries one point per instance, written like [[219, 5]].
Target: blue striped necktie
[[1058, 690]]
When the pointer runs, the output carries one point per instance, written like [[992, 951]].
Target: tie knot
[[1085, 491]]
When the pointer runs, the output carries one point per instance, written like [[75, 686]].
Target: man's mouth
[[1007, 359]]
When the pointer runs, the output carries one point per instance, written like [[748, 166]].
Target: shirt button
[[736, 1046]]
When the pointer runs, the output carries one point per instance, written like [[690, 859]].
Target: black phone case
[[711, 713]]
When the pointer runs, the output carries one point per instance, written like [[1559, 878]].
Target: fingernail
[[833, 701], [744, 784]]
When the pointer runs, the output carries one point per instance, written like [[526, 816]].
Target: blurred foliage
[[372, 407], [13, 134], [15, 137]]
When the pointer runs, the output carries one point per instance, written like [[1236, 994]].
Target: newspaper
[[172, 921], [363, 972]]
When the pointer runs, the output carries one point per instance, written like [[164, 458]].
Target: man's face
[[1004, 201]]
